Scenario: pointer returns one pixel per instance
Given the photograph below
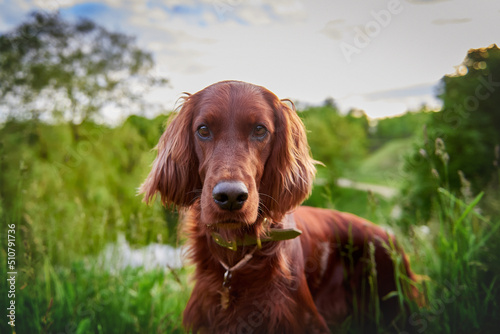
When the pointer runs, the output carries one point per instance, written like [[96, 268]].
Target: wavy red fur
[[340, 266]]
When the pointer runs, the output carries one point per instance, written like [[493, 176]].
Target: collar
[[272, 234]]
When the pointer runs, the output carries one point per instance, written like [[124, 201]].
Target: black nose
[[230, 195]]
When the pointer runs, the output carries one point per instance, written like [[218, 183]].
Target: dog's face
[[235, 150], [233, 130]]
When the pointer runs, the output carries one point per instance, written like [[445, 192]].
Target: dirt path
[[384, 191]]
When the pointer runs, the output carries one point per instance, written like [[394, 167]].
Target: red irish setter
[[237, 158]]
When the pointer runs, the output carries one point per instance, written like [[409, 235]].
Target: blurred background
[[401, 100]]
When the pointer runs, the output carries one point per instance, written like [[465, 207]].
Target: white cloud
[[426, 2], [333, 29], [451, 21], [293, 46]]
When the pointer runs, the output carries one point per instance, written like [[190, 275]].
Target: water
[[119, 255]]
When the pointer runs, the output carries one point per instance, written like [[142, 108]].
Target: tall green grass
[[69, 196], [460, 256], [83, 298], [456, 253], [462, 297], [64, 220]]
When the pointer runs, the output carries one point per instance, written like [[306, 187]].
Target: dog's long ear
[[289, 171], [175, 170]]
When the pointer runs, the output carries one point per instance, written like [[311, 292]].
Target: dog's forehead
[[243, 102]]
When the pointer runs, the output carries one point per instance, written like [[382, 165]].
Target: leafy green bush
[[75, 195], [337, 141], [469, 125]]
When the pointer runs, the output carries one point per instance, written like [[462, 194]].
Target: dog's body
[[237, 158]]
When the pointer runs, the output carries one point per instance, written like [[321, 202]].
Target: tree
[[53, 68], [337, 141], [398, 127], [461, 140]]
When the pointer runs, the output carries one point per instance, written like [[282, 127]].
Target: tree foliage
[[86, 186], [50, 67], [337, 141], [60, 170], [460, 147], [398, 127]]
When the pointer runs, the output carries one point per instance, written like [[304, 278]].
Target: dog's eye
[[203, 132], [260, 132]]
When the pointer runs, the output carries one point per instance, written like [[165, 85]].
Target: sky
[[382, 56]]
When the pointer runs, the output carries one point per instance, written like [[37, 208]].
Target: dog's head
[[235, 150]]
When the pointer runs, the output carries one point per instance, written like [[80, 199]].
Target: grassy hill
[[384, 166]]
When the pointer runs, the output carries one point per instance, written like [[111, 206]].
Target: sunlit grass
[[64, 220], [83, 298]]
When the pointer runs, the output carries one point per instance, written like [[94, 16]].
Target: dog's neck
[[223, 243], [259, 231], [232, 272]]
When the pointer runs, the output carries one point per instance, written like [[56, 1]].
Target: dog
[[236, 159]]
